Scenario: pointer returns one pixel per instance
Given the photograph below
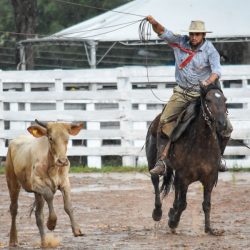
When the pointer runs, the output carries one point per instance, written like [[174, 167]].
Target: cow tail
[[32, 207], [9, 167]]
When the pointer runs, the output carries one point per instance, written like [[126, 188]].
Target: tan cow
[[39, 164]]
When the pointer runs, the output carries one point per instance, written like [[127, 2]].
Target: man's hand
[[151, 20], [205, 83], [157, 27]]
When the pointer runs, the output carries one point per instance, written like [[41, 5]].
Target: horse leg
[[40, 217], [207, 208], [151, 152], [157, 212], [179, 205]]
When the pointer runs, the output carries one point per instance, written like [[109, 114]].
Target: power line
[[98, 8]]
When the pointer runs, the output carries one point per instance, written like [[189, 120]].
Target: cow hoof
[[13, 244], [51, 223], [157, 214], [78, 232]]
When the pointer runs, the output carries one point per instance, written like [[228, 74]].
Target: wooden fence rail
[[116, 106]]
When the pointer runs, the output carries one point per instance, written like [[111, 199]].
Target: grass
[[121, 169], [105, 169]]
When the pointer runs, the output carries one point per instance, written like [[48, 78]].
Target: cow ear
[[37, 131], [75, 128]]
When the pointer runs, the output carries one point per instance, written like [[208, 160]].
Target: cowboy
[[196, 62]]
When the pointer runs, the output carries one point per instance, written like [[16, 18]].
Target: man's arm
[[212, 78], [157, 27]]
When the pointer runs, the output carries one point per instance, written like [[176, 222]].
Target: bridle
[[207, 113]]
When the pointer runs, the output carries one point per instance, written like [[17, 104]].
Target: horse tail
[[167, 183]]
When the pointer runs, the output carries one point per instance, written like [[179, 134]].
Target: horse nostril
[[222, 124]]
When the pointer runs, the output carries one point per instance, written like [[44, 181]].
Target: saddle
[[183, 120]]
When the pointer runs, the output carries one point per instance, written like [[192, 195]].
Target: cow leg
[[14, 189], [207, 208], [49, 197], [69, 210], [40, 217], [180, 205]]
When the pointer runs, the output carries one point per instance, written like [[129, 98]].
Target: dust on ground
[[114, 212]]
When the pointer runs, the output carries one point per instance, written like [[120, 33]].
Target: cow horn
[[43, 124]]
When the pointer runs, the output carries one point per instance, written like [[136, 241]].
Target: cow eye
[[50, 138]]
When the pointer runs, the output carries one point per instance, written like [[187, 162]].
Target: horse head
[[214, 108]]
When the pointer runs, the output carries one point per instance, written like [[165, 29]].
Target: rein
[[207, 114]]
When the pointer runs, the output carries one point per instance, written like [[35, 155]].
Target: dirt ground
[[114, 211]]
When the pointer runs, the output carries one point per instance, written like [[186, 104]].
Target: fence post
[[27, 88], [93, 160], [2, 140], [59, 89], [123, 86]]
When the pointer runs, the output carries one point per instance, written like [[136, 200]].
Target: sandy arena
[[114, 211]]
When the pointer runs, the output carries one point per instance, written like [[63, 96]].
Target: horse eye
[[50, 138]]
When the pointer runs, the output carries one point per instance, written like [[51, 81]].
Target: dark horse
[[194, 156]]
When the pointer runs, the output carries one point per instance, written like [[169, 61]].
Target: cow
[[39, 164]]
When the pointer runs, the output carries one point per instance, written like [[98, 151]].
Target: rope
[[144, 31]]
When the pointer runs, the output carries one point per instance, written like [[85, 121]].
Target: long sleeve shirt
[[205, 61]]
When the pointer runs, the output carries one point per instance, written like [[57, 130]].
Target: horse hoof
[[172, 224], [157, 214], [173, 231], [215, 232], [171, 213]]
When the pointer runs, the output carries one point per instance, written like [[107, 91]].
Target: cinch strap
[[188, 59]]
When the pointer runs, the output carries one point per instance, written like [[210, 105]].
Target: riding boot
[[223, 143], [163, 144]]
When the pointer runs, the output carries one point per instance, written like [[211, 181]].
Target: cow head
[[58, 136]]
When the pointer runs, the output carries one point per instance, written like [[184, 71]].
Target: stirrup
[[160, 168]]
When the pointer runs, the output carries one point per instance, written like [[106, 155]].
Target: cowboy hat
[[198, 27]]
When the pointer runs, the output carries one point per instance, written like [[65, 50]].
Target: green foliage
[[54, 16]]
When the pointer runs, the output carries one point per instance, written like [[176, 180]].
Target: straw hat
[[197, 27]]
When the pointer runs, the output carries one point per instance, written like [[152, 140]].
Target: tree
[[25, 12]]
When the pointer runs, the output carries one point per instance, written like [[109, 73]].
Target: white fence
[[116, 105]]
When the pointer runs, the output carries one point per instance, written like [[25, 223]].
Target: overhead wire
[[98, 8]]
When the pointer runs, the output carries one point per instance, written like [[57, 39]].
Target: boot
[[163, 144], [223, 143], [222, 167]]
